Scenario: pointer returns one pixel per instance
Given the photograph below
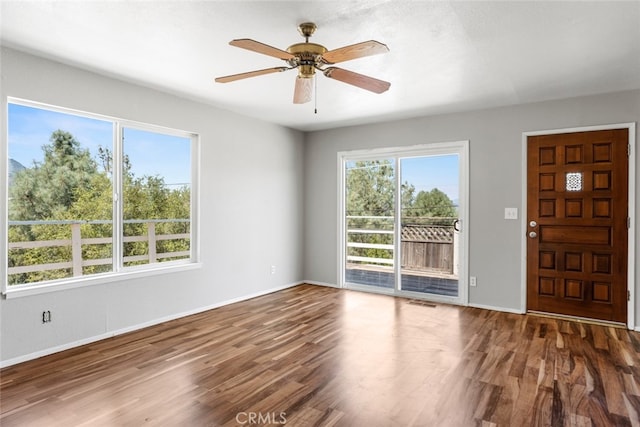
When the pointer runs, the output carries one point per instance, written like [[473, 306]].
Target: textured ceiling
[[444, 56]]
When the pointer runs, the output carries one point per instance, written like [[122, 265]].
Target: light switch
[[510, 213]]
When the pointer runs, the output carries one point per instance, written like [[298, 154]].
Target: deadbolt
[[532, 224]]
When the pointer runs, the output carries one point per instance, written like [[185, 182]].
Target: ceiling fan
[[308, 57]]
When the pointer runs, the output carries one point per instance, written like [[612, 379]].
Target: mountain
[[14, 167]]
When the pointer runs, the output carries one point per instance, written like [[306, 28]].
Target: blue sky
[[157, 154], [150, 153], [427, 173]]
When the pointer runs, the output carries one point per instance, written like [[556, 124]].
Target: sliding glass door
[[402, 217]]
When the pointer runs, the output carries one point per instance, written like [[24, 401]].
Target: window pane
[[428, 237], [369, 222], [60, 195], [157, 197]]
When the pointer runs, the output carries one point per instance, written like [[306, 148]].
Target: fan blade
[[234, 77], [261, 48], [354, 51], [359, 80], [303, 90]]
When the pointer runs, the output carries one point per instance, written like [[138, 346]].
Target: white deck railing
[[76, 263]]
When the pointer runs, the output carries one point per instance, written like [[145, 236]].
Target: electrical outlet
[[46, 316], [472, 281], [273, 269]]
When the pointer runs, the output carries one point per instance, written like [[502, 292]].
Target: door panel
[[370, 223], [577, 233], [429, 241]]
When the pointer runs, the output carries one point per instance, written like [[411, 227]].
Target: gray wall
[[278, 191], [251, 212], [495, 145]]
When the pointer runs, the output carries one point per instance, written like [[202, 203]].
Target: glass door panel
[[429, 241], [370, 222]]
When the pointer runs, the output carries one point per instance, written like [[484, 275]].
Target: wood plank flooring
[[315, 356]]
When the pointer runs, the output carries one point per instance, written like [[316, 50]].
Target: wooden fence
[[428, 247]]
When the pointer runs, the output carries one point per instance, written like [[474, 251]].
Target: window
[[91, 197]]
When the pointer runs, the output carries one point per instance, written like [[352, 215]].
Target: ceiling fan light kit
[[308, 57]]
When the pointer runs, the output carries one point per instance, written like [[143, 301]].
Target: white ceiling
[[444, 56]]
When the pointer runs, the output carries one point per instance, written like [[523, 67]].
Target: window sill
[[81, 282]]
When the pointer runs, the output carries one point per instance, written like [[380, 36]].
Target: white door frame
[[631, 127]]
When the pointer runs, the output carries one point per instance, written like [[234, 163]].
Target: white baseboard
[[110, 334], [313, 282], [482, 306], [494, 308]]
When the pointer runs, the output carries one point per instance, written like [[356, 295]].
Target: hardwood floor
[[315, 356]]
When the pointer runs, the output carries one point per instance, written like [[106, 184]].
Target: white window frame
[[461, 148], [119, 272]]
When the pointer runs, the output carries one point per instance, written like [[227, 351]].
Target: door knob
[[533, 234]]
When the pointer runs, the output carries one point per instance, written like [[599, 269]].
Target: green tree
[[47, 191], [431, 208], [370, 188], [50, 188], [434, 203], [92, 204]]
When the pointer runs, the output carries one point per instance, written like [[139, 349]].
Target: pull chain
[[315, 98]]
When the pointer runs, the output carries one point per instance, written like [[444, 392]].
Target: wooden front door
[[577, 204]]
